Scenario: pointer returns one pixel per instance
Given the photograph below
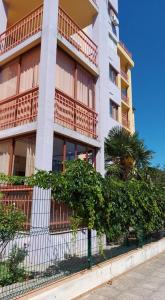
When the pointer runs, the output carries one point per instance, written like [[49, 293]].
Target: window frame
[[113, 105], [113, 71]]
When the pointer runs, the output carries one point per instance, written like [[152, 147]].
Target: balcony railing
[[20, 31], [124, 75], [22, 109], [125, 123], [75, 115], [21, 197], [76, 36], [32, 23], [125, 98], [19, 109], [125, 48]]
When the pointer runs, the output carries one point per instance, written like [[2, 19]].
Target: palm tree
[[126, 152]]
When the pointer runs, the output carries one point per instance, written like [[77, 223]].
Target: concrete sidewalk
[[145, 282]]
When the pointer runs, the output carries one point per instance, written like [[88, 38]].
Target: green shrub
[[10, 270], [11, 221], [133, 205]]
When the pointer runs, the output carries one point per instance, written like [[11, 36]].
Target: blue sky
[[142, 25]]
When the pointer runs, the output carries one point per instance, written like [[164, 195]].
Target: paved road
[[146, 282]]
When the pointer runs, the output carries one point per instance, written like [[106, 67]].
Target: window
[[29, 76], [112, 43], [81, 152], [8, 80], [4, 157], [24, 156], [114, 29], [58, 149], [85, 87], [65, 70], [70, 151], [113, 74], [12, 81], [74, 80], [124, 91], [64, 149], [113, 15], [111, 10], [114, 108]]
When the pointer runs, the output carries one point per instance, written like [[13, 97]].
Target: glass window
[[113, 16], [112, 43], [114, 28], [114, 110], [124, 92], [58, 158], [66, 150], [91, 156], [70, 151], [24, 157], [4, 157], [81, 152], [113, 74]]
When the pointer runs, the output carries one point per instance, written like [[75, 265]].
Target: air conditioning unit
[[114, 20]]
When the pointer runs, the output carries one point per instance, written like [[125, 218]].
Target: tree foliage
[[134, 205], [125, 151], [80, 187]]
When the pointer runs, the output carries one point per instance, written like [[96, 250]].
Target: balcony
[[125, 49], [75, 115], [22, 30], [77, 37], [124, 75], [32, 23], [126, 123], [125, 98], [22, 109], [19, 110]]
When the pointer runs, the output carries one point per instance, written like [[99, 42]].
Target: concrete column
[[99, 100], [3, 17], [45, 120]]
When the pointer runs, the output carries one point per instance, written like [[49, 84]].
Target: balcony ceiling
[[17, 9], [81, 11]]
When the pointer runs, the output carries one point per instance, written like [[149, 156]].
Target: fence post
[[89, 248]]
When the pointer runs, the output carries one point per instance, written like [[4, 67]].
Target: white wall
[[105, 89], [3, 17]]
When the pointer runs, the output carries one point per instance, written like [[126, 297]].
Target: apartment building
[[65, 81]]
